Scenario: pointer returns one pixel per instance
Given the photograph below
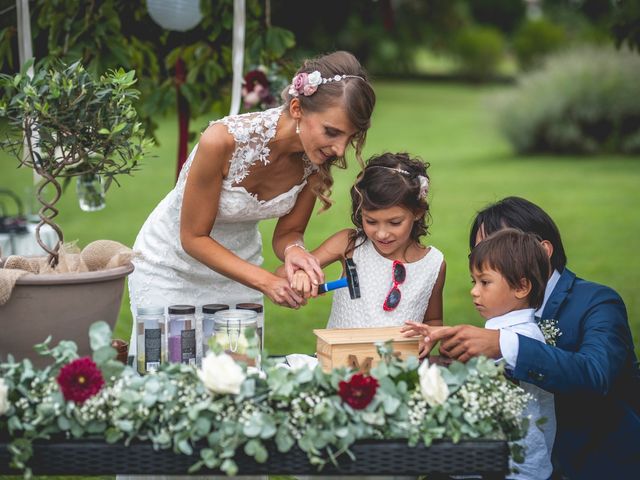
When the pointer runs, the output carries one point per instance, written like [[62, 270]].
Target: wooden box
[[355, 347]]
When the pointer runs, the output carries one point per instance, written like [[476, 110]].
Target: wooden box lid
[[341, 336]]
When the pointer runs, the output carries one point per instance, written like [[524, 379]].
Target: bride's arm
[[198, 214]]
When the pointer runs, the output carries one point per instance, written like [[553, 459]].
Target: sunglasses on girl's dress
[[394, 295]]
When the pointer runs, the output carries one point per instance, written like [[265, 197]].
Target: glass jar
[[182, 334], [208, 313], [90, 191], [236, 331], [259, 309], [150, 340]]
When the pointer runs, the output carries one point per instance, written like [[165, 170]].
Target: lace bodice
[[375, 278], [165, 274]]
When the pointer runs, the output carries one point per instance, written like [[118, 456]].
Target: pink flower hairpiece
[[307, 83]]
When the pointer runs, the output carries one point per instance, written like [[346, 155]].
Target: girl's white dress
[[376, 279], [165, 274]]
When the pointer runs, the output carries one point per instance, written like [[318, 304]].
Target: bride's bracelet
[[295, 244]]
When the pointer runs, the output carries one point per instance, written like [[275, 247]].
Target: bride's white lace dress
[[165, 274]]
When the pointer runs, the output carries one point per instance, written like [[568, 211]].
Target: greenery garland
[[227, 406]]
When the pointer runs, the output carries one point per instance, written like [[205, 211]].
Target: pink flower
[[80, 380], [309, 90], [299, 81]]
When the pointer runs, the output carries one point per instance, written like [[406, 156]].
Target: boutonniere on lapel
[[550, 330]]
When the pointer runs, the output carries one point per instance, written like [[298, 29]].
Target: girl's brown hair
[[355, 94], [389, 180]]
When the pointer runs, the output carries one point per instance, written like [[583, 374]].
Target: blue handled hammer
[[350, 280]]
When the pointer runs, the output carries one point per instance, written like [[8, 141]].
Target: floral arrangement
[[225, 406], [550, 331], [261, 87]]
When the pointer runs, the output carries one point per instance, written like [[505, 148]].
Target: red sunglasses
[[394, 295]]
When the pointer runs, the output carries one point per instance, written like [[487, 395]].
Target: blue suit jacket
[[595, 377]]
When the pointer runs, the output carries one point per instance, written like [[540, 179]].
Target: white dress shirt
[[509, 344]]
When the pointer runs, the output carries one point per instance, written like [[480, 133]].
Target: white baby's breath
[[4, 397]]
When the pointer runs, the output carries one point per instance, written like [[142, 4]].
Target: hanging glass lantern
[[180, 15]]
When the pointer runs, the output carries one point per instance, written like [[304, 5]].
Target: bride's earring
[[298, 127]]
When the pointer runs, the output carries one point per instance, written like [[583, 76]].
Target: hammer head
[[352, 278]]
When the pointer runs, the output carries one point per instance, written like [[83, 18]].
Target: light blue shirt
[[509, 339]]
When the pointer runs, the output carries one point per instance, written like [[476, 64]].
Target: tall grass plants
[[582, 101]]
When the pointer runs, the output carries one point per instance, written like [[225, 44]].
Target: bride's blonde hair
[[353, 91]]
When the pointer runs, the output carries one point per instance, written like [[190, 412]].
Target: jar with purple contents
[[208, 320], [182, 334]]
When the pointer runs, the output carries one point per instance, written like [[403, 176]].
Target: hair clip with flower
[[424, 187], [307, 83]]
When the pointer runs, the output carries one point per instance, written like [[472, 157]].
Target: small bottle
[[150, 341], [259, 309], [208, 320], [182, 334]]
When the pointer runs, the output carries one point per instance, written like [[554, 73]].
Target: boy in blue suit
[[592, 370]]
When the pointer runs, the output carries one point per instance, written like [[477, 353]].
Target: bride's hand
[[296, 258], [280, 292]]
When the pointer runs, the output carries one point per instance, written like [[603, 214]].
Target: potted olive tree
[[66, 123]]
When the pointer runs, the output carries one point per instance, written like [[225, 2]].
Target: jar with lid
[[259, 309], [236, 331], [208, 313], [182, 334], [150, 338]]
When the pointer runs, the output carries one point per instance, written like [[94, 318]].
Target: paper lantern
[[180, 15]]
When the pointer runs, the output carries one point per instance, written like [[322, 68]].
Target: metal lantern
[[180, 15]]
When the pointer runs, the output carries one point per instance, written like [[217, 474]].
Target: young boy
[[509, 272]]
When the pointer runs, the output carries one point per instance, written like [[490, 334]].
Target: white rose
[[221, 374], [4, 397], [314, 78], [433, 387]]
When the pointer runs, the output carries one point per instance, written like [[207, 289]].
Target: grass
[[593, 199]]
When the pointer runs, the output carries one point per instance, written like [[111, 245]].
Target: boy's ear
[[548, 247], [524, 289]]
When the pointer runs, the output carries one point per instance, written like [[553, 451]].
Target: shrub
[[536, 39], [479, 50], [582, 101]]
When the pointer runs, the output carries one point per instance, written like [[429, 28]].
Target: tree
[[120, 33]]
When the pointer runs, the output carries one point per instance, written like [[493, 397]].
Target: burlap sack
[[98, 255]]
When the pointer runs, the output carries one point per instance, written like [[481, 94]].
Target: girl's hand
[[296, 258], [415, 329], [302, 283], [280, 292]]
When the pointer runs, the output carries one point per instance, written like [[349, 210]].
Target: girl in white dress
[[201, 244], [400, 279]]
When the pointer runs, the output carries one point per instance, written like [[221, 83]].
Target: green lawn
[[594, 200]]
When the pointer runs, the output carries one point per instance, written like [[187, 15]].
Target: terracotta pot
[[61, 305]]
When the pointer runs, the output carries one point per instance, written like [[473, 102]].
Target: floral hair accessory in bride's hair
[[307, 83]]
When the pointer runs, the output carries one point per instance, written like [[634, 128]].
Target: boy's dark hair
[[516, 256], [516, 212], [381, 185]]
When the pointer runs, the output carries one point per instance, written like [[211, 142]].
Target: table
[[488, 458], [26, 243]]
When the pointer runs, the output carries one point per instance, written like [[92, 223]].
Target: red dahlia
[[359, 391], [255, 77], [80, 380]]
